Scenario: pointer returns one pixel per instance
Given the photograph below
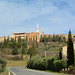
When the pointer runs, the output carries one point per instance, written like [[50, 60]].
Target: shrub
[[64, 63], [16, 57], [50, 64], [57, 65], [40, 64], [0, 67], [3, 62], [30, 62], [15, 51], [72, 67], [46, 64]]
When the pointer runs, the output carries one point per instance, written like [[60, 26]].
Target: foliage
[[53, 39], [23, 50], [32, 50], [44, 41], [57, 65], [19, 39], [46, 64], [60, 53], [72, 67], [64, 63], [0, 67], [70, 50], [15, 51], [2, 64]]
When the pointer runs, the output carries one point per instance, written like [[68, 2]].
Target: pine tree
[[60, 53], [70, 50]]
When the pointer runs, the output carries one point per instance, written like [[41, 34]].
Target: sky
[[52, 16]]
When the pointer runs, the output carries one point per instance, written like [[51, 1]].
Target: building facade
[[30, 36]]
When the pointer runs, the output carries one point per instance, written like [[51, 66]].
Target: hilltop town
[[33, 35]]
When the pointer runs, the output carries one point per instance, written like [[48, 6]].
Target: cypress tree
[[60, 53], [15, 38], [44, 41], [23, 50], [19, 39], [70, 50]]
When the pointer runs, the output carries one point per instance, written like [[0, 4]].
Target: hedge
[[46, 64]]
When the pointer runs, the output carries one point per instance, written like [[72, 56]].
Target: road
[[23, 71]]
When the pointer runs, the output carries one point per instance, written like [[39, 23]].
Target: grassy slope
[[5, 72], [12, 63], [52, 49]]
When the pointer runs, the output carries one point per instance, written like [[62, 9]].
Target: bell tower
[[37, 29]]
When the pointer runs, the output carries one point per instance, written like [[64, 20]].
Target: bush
[[16, 57], [72, 67], [50, 64], [15, 51], [46, 64], [0, 67], [30, 62], [57, 65], [3, 62], [64, 63], [40, 64]]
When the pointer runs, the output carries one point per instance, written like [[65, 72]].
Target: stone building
[[46, 35], [32, 35], [64, 51], [2, 38]]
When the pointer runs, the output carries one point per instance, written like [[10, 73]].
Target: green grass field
[[13, 63]]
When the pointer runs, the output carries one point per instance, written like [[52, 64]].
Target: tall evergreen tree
[[44, 41], [15, 38], [70, 50], [60, 53], [19, 39], [23, 50]]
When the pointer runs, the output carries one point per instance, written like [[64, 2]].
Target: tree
[[15, 51], [19, 39], [70, 50], [26, 41], [15, 38], [32, 50], [23, 50], [44, 41], [36, 42], [60, 53]]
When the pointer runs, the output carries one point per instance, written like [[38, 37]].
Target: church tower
[[37, 29]]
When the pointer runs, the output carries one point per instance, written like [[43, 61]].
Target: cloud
[[53, 16]]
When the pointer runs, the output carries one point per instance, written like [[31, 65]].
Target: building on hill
[[64, 51], [61, 35], [46, 35], [32, 35], [2, 38]]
